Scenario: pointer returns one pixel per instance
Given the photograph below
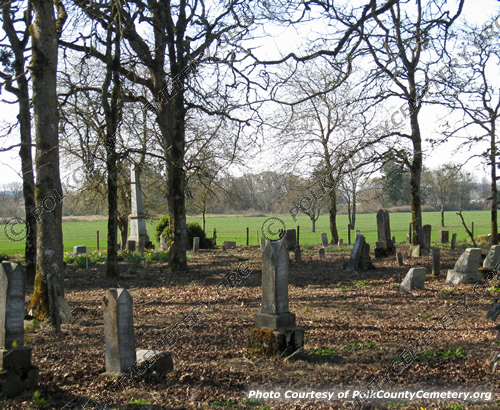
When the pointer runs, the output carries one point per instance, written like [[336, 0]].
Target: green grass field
[[233, 228]]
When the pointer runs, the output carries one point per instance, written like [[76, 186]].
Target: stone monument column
[[137, 217]]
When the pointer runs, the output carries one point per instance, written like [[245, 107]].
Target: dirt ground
[[355, 325]]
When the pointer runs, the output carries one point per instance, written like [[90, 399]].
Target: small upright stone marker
[[298, 254], [444, 236], [426, 232], [453, 240], [163, 245], [399, 258], [492, 257], [275, 332], [131, 246], [322, 253], [16, 372], [436, 261], [341, 242], [79, 249], [467, 268], [324, 240], [415, 278], [118, 331], [360, 255], [196, 244], [408, 238]]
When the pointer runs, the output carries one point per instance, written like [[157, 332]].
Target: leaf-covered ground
[[355, 325]]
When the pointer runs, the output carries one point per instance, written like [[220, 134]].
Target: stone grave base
[[271, 342], [384, 249], [148, 361], [16, 380], [455, 277]]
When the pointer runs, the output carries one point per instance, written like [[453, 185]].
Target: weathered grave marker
[[290, 239], [414, 279], [229, 244], [118, 331], [131, 246], [426, 232], [466, 268], [16, 372], [385, 245], [341, 242], [196, 244], [492, 257], [275, 332], [79, 249], [453, 241], [163, 245], [322, 253], [360, 255], [298, 254], [399, 258], [408, 238], [444, 236], [137, 217], [436, 261], [262, 243], [324, 240]]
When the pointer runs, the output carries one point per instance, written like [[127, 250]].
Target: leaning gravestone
[[466, 268], [324, 240], [275, 332], [16, 371], [414, 279], [360, 255], [385, 245], [492, 257], [121, 356]]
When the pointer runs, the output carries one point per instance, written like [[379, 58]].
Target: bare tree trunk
[[494, 192], [353, 217], [22, 94], [314, 225], [442, 215], [415, 175], [48, 192], [333, 216]]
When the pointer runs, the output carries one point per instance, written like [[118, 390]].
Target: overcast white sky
[[477, 11]]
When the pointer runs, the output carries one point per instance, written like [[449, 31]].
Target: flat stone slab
[[414, 279], [229, 244]]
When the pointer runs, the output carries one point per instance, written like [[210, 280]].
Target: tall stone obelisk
[[137, 217]]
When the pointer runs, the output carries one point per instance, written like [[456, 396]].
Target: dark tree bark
[[19, 46], [45, 32], [333, 216]]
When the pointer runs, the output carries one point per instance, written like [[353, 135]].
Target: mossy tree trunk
[[48, 191]]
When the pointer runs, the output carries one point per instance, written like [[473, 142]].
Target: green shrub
[[157, 256], [98, 256], [162, 228], [133, 257], [195, 230]]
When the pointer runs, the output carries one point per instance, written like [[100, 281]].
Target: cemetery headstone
[[393, 238], [426, 232], [408, 238], [16, 371], [399, 258], [324, 240], [290, 239], [360, 255], [79, 250], [489, 238], [414, 251], [322, 253], [414, 279], [118, 331], [466, 268], [131, 246], [436, 261], [275, 332], [142, 244], [341, 241], [121, 356], [137, 217], [196, 244], [163, 245], [385, 245], [453, 241], [229, 244], [492, 257], [444, 236]]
